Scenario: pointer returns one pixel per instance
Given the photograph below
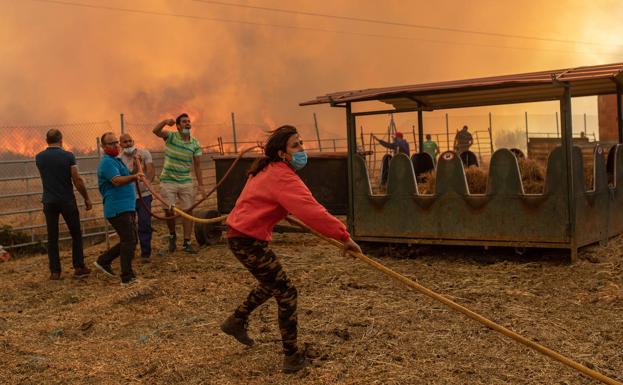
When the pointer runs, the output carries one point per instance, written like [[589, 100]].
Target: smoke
[[72, 64]]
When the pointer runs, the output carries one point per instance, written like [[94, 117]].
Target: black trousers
[[69, 211], [125, 226]]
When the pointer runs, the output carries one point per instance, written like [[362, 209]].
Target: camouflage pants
[[273, 282]]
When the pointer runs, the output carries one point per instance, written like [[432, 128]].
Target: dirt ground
[[359, 326]]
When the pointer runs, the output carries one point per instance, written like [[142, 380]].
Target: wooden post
[[233, 127]]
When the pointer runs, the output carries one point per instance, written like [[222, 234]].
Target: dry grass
[[361, 327]]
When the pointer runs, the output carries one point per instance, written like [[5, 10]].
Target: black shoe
[[237, 328], [294, 362], [106, 269], [145, 259], [189, 248], [129, 282], [172, 241]]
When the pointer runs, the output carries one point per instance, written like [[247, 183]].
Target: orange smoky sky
[[88, 60]]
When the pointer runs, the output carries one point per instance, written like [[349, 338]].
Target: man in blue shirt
[[59, 171], [116, 185], [400, 145]]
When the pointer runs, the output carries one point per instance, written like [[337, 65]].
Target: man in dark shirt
[[58, 171], [463, 140], [400, 145]]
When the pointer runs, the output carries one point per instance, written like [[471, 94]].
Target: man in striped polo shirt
[[181, 152]]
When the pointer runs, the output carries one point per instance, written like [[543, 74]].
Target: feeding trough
[[566, 214]]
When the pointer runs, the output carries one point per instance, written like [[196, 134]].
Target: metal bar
[[420, 130], [414, 138], [317, 133], [447, 132], [620, 111], [478, 145], [351, 136], [527, 137], [363, 144], [233, 127], [491, 132], [567, 144], [334, 146], [394, 111], [585, 124], [122, 125], [557, 127]]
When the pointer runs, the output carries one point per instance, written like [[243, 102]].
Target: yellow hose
[[199, 220]]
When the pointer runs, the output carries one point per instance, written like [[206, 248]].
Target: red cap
[[398, 134]]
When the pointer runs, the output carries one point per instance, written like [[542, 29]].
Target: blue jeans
[[144, 225]]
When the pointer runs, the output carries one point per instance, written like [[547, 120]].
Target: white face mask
[[186, 131], [129, 150]]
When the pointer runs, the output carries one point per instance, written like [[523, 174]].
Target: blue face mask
[[299, 160]]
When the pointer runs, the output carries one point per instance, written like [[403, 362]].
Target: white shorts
[[184, 191]]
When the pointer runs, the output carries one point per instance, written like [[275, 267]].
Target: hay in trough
[[532, 176]]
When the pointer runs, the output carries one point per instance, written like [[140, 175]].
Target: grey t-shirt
[[128, 160]]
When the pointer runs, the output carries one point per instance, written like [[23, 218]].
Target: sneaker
[[55, 276], [294, 362], [237, 328], [189, 248], [82, 272], [105, 269], [172, 240]]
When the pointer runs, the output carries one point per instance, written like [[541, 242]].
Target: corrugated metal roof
[[508, 89]]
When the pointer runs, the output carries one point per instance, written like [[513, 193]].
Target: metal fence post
[[527, 137], [122, 126], [491, 132], [447, 132], [557, 126], [585, 124], [317, 133], [233, 127]]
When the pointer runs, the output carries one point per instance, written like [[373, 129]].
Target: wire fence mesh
[[20, 184]]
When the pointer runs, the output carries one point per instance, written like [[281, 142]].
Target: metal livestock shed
[[565, 216]]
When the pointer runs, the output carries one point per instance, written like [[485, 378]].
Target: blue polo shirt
[[117, 199]]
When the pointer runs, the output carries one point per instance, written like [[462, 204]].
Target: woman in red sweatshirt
[[272, 191]]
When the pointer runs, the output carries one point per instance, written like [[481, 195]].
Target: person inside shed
[[463, 140], [273, 190], [399, 145]]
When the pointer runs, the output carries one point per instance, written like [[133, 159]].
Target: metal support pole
[[567, 146], [122, 125], [317, 133], [557, 127], [447, 132], [420, 131], [414, 139], [585, 124], [620, 111], [363, 144], [352, 149], [233, 127], [527, 137], [491, 132], [98, 147]]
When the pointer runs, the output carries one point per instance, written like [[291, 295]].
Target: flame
[[20, 142]]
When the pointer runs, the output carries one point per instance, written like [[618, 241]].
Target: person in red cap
[[400, 145]]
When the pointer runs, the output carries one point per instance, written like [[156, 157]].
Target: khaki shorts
[[171, 191]]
